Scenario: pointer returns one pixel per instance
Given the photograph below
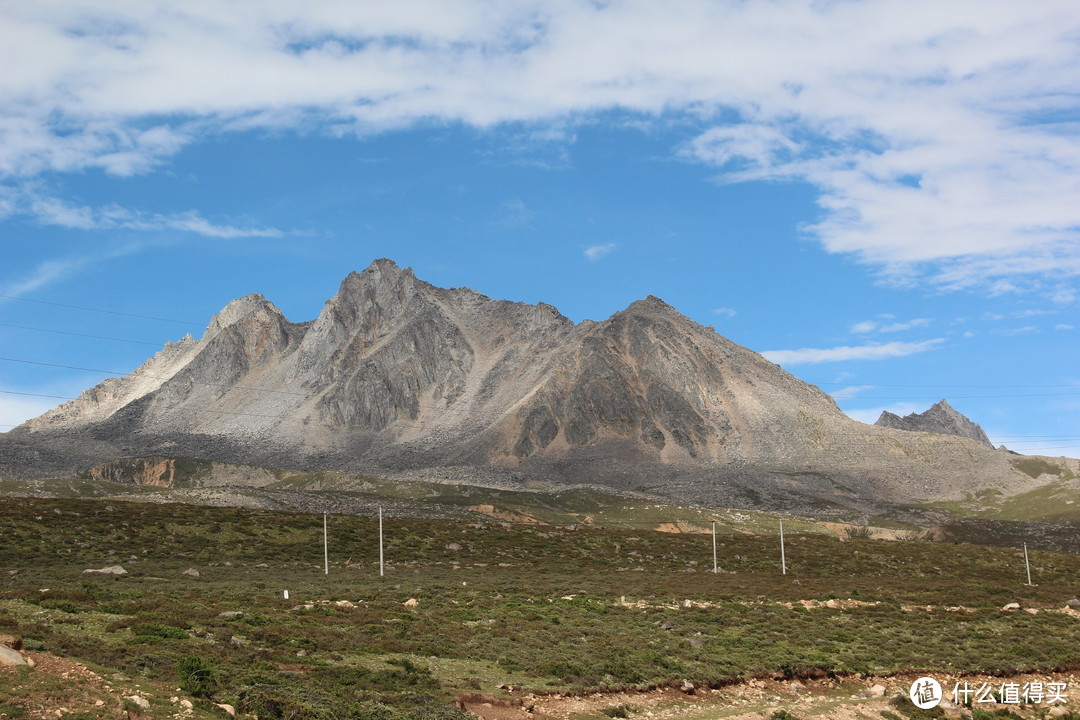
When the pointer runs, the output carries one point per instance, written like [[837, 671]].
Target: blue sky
[[882, 196]]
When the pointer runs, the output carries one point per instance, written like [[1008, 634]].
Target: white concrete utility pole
[[715, 569], [783, 560], [1027, 564]]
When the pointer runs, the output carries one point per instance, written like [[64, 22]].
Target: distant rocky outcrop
[[941, 418], [397, 377]]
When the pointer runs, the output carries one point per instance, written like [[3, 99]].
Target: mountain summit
[[940, 418], [398, 377]]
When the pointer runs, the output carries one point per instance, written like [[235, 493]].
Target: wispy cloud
[[50, 210], [869, 326], [513, 214], [15, 410], [725, 312], [61, 268], [941, 137], [851, 392], [596, 252], [883, 351], [1064, 326], [871, 415]]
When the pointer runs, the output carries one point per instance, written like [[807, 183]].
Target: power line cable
[[100, 310], [58, 397], [64, 332], [875, 384], [947, 397], [157, 377]]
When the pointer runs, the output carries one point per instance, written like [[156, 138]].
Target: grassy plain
[[543, 607]]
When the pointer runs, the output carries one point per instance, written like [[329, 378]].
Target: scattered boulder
[[1074, 603], [231, 614], [229, 709], [192, 572], [687, 687], [111, 570], [138, 700], [412, 602], [10, 657], [186, 704], [454, 547], [877, 690], [833, 604], [344, 604], [1011, 606]]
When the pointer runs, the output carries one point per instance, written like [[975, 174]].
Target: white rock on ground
[[139, 700], [111, 570], [10, 657]]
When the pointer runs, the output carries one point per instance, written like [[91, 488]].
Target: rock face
[[398, 377], [940, 418]]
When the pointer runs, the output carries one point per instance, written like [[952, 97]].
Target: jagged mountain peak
[[941, 418], [242, 308], [650, 305], [397, 375]]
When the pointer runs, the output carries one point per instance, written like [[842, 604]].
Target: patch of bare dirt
[[55, 688], [756, 699], [680, 527], [506, 515]]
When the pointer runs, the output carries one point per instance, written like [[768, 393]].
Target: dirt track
[[827, 699]]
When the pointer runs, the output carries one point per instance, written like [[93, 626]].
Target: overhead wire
[[86, 335], [100, 310]]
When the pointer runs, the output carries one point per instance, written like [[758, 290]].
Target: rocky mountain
[[399, 378], [940, 418]]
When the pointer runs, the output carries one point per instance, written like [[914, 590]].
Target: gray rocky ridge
[[398, 377], [940, 418]]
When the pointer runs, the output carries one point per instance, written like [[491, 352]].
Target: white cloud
[[871, 415], [941, 136], [850, 392], [1064, 326], [53, 211], [868, 326], [862, 352], [725, 311], [1064, 295], [1016, 331], [598, 251], [901, 326], [15, 410], [513, 214]]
